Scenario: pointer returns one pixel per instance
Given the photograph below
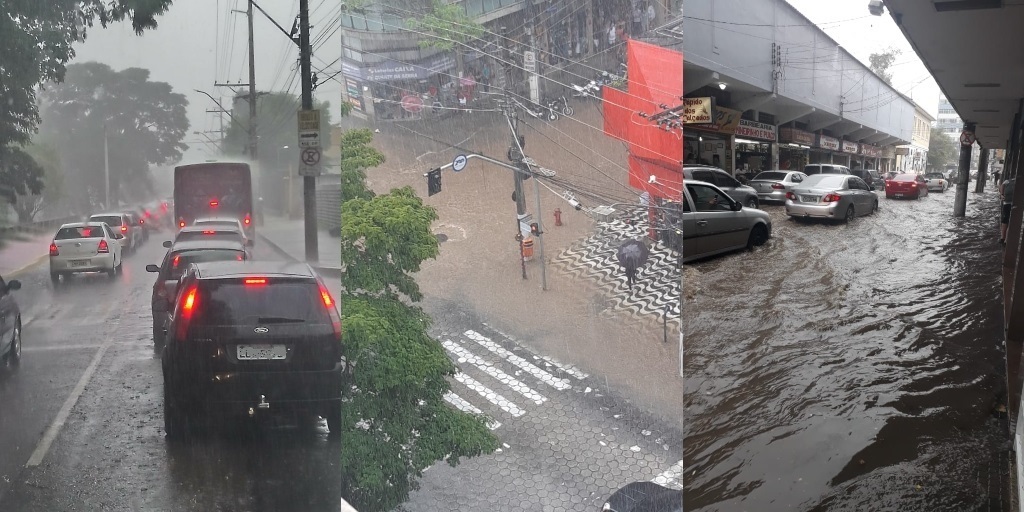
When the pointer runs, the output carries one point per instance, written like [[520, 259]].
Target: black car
[[644, 497], [170, 270], [872, 178], [249, 338], [10, 323]]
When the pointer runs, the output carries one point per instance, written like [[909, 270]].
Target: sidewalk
[[21, 251], [288, 238]]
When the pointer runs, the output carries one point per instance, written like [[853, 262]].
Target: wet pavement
[[81, 424]]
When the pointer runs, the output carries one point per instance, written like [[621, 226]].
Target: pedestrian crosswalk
[[501, 377]]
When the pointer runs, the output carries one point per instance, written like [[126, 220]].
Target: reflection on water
[[851, 367]]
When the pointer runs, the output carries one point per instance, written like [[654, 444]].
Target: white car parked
[[85, 247]]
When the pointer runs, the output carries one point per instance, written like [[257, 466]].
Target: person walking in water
[[1006, 191]]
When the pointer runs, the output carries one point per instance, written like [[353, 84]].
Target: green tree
[[394, 419], [448, 28], [36, 42], [942, 150], [880, 63], [19, 175], [145, 123], [28, 205], [357, 155]]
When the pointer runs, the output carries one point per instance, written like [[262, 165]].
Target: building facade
[[913, 157]]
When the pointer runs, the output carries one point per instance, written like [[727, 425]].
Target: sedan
[[85, 247], [10, 323], [223, 221], [936, 181], [831, 196], [906, 185], [773, 185]]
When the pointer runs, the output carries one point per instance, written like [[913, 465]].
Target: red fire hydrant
[[558, 216]]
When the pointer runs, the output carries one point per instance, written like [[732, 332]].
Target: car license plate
[[79, 263], [261, 352], [897, 195], [809, 199]]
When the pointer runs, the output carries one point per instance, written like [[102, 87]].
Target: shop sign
[[850, 147], [796, 136], [351, 70], [755, 130], [698, 110], [355, 93], [903, 151], [869, 150], [393, 70], [888, 151], [826, 142], [725, 121]]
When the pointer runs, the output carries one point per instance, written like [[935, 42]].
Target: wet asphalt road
[[852, 367], [110, 453]]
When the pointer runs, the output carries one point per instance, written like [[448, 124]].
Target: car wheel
[[333, 417], [874, 207], [758, 237], [14, 354], [175, 416], [113, 270], [850, 214], [751, 202]]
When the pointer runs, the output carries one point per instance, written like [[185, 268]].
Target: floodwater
[[852, 367]]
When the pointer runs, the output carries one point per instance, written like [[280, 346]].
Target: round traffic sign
[[311, 156], [459, 163], [966, 138], [412, 103]]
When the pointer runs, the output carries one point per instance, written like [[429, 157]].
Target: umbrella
[[632, 255]]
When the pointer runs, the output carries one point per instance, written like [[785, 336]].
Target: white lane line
[[464, 406], [65, 410], [544, 376], [672, 477], [489, 369], [60, 347], [491, 396]]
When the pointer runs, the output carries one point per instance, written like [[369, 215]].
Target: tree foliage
[[880, 63], [19, 174], [30, 203], [394, 418], [942, 150], [145, 123], [448, 25]]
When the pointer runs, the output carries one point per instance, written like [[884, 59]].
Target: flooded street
[[852, 367]]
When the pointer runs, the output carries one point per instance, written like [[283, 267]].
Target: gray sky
[[199, 42], [862, 34]]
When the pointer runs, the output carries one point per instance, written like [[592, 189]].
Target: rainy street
[[106, 449]]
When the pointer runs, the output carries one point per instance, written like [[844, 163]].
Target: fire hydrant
[[558, 216]]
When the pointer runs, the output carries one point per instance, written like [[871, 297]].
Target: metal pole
[[106, 169], [308, 182], [252, 89], [540, 237], [964, 176]]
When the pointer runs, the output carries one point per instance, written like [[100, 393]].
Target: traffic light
[[534, 229], [434, 182]]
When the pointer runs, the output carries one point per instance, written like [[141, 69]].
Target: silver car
[[831, 196], [936, 181], [746, 196], [773, 185], [712, 223], [85, 247]]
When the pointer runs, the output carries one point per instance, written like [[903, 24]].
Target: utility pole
[[106, 168], [252, 89], [308, 182], [513, 125]]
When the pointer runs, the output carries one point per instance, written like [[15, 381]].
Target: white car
[[225, 221], [85, 247], [122, 222], [936, 181]]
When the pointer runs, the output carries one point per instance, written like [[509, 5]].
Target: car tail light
[[53, 249], [124, 228], [830, 197], [189, 301], [913, 184], [241, 257], [209, 232], [103, 247], [174, 263], [142, 221], [791, 196], [255, 281], [214, 204], [328, 302], [181, 223], [778, 186], [247, 220]]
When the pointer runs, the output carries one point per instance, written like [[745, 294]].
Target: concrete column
[[964, 170], [982, 171]]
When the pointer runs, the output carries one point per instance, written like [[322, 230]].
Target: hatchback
[[85, 247], [831, 196], [712, 223], [906, 185], [252, 338], [10, 323], [773, 185]]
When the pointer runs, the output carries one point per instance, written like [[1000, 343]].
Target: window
[[234, 303], [724, 180], [707, 176], [111, 220], [707, 199]]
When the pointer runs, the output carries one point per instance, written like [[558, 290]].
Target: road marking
[[545, 377], [488, 368], [464, 406], [491, 396], [14, 273], [567, 368], [65, 410], [60, 347], [671, 477]]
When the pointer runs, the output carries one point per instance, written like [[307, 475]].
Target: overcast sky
[[862, 34], [199, 42]]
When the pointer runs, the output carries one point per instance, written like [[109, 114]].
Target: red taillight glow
[[778, 186], [791, 196], [142, 221], [190, 302], [328, 301], [241, 257], [174, 264], [214, 204], [124, 228], [103, 247], [209, 232], [188, 307], [247, 220], [181, 223], [830, 197], [53, 249], [913, 184], [255, 280]]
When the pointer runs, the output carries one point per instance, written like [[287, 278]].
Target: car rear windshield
[[211, 235], [770, 176], [824, 181], [263, 301], [934, 175], [906, 177], [80, 232], [180, 261], [111, 220]]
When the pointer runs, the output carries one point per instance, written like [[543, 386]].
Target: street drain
[[441, 237]]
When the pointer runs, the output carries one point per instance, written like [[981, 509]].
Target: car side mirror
[[167, 244], [152, 268], [13, 284], [737, 206]]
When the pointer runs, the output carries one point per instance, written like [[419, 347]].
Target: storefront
[[825, 149], [851, 152], [756, 149], [870, 155], [711, 144], [794, 148]]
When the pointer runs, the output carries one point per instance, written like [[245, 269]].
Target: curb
[[325, 271], [27, 267]]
